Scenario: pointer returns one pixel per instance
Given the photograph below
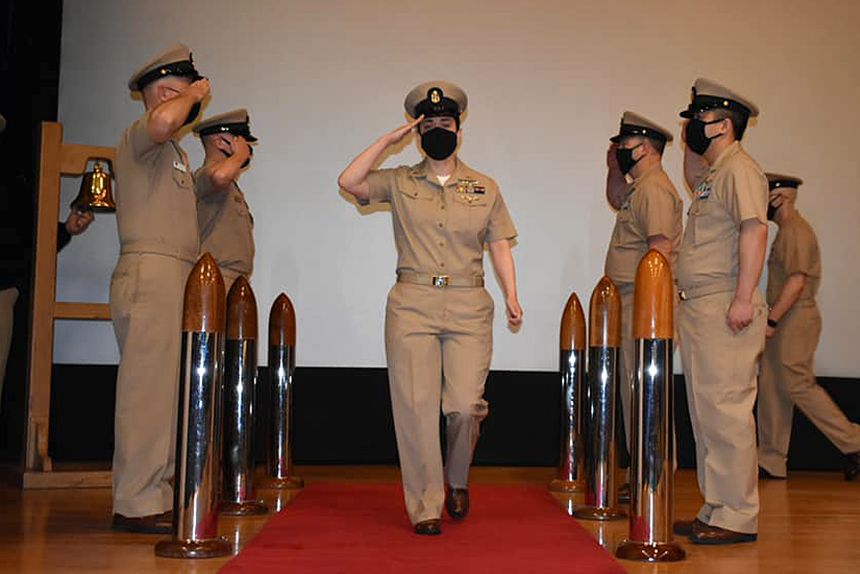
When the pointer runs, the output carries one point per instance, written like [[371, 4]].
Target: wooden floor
[[810, 523]]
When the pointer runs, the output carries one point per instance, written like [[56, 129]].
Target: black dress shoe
[[151, 524], [765, 475], [685, 527], [432, 527], [714, 535], [457, 503], [852, 466]]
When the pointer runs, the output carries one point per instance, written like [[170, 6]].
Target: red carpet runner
[[363, 528]]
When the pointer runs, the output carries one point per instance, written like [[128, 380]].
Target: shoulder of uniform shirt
[[744, 163], [659, 183]]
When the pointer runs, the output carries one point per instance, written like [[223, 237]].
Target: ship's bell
[[95, 194]]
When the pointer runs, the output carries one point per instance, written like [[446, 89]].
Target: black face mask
[[192, 114], [439, 143], [696, 139], [625, 158]]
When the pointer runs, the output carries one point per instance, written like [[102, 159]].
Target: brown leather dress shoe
[[151, 524], [685, 527], [707, 534], [432, 527], [457, 503], [852, 466]]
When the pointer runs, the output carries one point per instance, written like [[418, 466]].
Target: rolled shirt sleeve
[[746, 194], [138, 139], [381, 183], [656, 212], [500, 225], [799, 253]]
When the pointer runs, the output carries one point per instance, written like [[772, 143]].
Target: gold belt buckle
[[440, 281]]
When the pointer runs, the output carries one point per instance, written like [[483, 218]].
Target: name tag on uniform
[[180, 166]]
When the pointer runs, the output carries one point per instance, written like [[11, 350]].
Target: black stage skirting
[[343, 416]]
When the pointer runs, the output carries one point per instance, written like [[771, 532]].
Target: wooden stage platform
[[810, 523]]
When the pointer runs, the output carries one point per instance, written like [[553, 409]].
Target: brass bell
[[95, 194]]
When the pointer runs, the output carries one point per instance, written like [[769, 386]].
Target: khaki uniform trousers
[[720, 374], [788, 379], [7, 317], [146, 299], [438, 344]]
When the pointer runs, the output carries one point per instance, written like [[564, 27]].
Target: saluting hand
[[198, 90], [395, 136], [240, 146], [514, 312], [612, 159], [776, 200]]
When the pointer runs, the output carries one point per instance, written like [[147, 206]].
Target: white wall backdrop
[[547, 82]]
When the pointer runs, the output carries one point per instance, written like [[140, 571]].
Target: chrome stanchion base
[[211, 548], [559, 485], [650, 551], [244, 508], [289, 482], [598, 513]]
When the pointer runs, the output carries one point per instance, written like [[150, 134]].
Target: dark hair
[[739, 120]]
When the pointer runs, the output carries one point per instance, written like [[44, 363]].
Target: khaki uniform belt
[[440, 280], [157, 248], [709, 288]]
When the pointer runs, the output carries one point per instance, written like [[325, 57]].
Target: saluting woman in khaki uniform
[[439, 318]]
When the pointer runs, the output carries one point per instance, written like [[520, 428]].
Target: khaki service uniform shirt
[[156, 208], [226, 224], [733, 190], [651, 207], [794, 250], [441, 230]]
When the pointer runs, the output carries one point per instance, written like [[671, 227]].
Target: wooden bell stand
[[56, 159]]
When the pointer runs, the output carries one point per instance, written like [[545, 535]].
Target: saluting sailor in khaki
[[794, 325], [649, 217], [157, 224], [439, 318], [721, 316], [226, 224]]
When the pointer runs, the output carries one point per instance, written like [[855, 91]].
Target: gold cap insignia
[[435, 95]]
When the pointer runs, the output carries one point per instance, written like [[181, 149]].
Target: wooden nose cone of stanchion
[[653, 307], [573, 325], [572, 343], [241, 311], [605, 315], [204, 310], [282, 323]]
